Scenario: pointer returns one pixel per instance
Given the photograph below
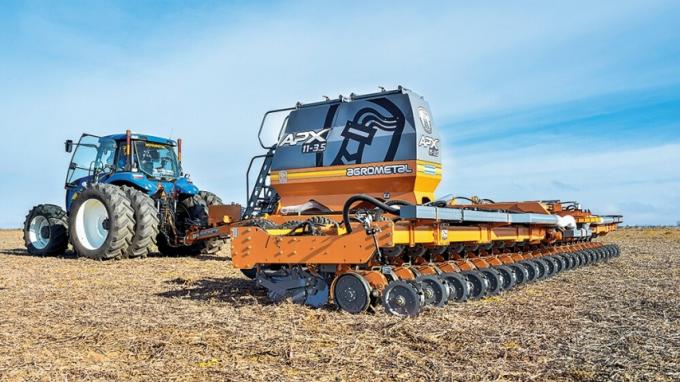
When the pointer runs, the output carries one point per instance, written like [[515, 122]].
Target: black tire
[[120, 222], [562, 263], [531, 268], [609, 253], [194, 209], [352, 293], [573, 260], [557, 266], [590, 256], [478, 284], [458, 286], [549, 267], [146, 222], [584, 258], [521, 273], [597, 254], [555, 263], [437, 287], [565, 261], [495, 280], [578, 259], [411, 299], [213, 245], [509, 277], [46, 230], [541, 266], [166, 249]]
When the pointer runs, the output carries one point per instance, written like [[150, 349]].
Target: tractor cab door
[[93, 157]]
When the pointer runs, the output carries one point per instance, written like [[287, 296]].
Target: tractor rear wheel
[[146, 222], [193, 209], [102, 222], [213, 245], [46, 230]]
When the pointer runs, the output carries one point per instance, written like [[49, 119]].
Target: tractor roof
[[143, 137]]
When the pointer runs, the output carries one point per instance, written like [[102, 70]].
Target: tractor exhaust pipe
[[128, 148]]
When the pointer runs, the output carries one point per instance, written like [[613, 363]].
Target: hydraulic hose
[[367, 199]]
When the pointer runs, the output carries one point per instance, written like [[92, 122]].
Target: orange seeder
[[344, 211]]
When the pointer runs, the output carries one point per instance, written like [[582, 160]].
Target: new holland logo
[[379, 170]]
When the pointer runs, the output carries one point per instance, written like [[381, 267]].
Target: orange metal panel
[[332, 185], [251, 246], [223, 213]]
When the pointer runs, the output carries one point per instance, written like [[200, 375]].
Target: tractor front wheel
[[102, 223], [46, 230]]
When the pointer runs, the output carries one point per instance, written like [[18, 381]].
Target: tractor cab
[[143, 162]]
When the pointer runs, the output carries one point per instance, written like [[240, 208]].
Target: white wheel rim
[[90, 220], [39, 232]]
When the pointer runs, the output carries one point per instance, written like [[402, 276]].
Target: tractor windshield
[[156, 160]]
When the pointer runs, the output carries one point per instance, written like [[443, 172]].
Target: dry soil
[[64, 318]]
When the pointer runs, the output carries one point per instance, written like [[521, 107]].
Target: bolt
[[350, 294], [429, 293]]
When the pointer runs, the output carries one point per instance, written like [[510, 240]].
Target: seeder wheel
[[565, 261], [549, 267], [459, 290], [509, 277], [478, 284], [495, 280], [352, 293], [521, 273], [531, 268], [435, 290], [541, 268], [401, 298], [580, 260], [590, 256], [559, 263]]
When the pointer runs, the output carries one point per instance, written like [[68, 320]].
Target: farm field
[[69, 319]]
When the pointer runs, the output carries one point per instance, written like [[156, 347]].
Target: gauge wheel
[[436, 290], [402, 298], [352, 293], [459, 289]]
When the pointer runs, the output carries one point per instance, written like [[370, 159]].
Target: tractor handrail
[[264, 119]]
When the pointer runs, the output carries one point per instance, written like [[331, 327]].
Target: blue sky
[[535, 100]]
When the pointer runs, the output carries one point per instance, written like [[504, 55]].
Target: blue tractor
[[126, 195]]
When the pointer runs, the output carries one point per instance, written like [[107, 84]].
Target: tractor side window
[[83, 160], [106, 155]]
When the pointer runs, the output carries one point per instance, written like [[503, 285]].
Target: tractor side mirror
[[68, 145]]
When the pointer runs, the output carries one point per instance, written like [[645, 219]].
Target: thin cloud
[[207, 73]]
